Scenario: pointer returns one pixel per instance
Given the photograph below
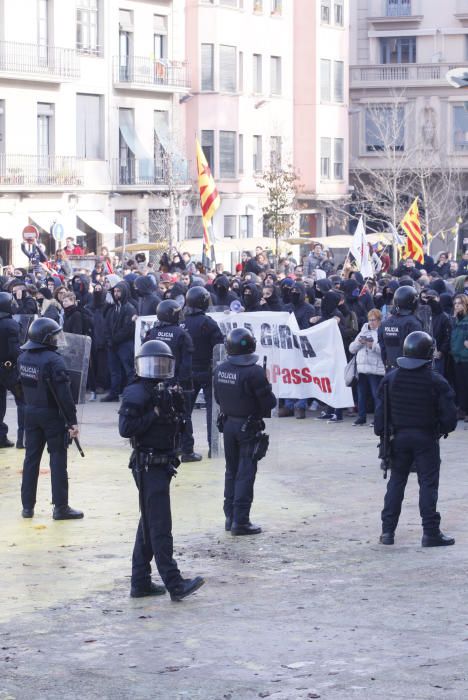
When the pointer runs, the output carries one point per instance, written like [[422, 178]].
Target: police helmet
[[168, 311], [418, 350], [44, 333], [406, 299], [240, 345], [155, 361], [198, 298], [6, 301]]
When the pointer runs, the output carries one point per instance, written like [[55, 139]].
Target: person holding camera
[[369, 363]]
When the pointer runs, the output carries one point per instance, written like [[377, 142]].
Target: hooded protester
[[80, 288], [148, 297], [355, 302], [251, 297], [220, 293], [271, 299], [441, 328], [98, 307], [329, 310], [177, 292], [23, 302], [285, 289], [119, 333], [322, 286], [302, 310], [439, 286], [48, 306]]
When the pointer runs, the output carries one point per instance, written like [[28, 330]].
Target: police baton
[[68, 423]]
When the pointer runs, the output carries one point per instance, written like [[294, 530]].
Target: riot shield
[[76, 352], [24, 321]]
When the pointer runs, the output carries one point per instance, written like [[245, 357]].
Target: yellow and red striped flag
[[209, 197], [412, 227]]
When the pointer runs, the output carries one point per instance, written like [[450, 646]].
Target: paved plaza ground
[[313, 607]]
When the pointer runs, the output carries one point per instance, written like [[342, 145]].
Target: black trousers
[[154, 533], [241, 470], [419, 449], [44, 427], [203, 380], [4, 387]]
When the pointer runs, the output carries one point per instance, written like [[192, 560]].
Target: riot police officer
[[245, 397], [205, 334], [169, 331], [401, 322], [151, 415], [9, 379], [42, 373], [420, 409]]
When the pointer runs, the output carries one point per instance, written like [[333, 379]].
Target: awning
[[141, 247], [100, 223], [6, 225], [44, 219], [231, 245]]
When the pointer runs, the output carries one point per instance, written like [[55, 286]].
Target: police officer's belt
[[149, 459]]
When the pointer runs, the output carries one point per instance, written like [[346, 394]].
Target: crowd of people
[[105, 302]]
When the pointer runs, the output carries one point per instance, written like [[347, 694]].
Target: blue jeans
[[366, 383], [121, 367], [295, 403]]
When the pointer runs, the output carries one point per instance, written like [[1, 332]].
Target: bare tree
[[281, 186]]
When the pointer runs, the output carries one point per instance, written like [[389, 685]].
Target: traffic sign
[[30, 233], [58, 232]]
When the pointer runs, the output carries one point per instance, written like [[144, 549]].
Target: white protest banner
[[300, 364]]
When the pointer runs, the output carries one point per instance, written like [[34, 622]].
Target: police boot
[[5, 442], [192, 457], [228, 524], [27, 513], [186, 587], [387, 538], [20, 440], [66, 513], [245, 529], [152, 589], [436, 540]]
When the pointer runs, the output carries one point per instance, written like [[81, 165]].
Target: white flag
[[360, 249]]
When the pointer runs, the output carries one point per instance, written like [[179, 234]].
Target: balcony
[[135, 173], [20, 172], [139, 73], [48, 64], [396, 13], [401, 74]]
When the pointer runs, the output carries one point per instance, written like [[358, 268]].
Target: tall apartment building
[[90, 96], [401, 51]]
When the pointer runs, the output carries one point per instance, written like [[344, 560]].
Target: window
[[338, 161], [45, 130], [275, 152], [246, 226], [43, 29], [161, 140], [398, 49], [2, 126], [193, 227], [124, 219], [257, 164], [257, 74], [338, 82], [385, 129], [125, 55], [241, 153], [241, 72], [325, 11], [230, 226], [275, 63], [87, 27], [207, 70], [398, 8], [325, 158], [460, 129], [325, 80], [89, 137], [227, 154], [160, 36], [227, 69], [276, 7], [339, 13], [207, 144]]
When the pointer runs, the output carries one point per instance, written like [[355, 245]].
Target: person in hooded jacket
[[220, 292], [250, 297], [119, 333], [73, 318], [441, 328], [80, 288], [49, 307], [361, 305], [285, 289], [148, 298], [98, 308], [271, 300], [302, 310]]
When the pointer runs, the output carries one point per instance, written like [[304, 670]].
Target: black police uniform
[[44, 424], [421, 409], [181, 345], [242, 390], [392, 334], [9, 379], [205, 334]]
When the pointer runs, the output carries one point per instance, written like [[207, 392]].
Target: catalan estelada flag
[[209, 199], [412, 227]]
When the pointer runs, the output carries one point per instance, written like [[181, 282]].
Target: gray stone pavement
[[313, 607]]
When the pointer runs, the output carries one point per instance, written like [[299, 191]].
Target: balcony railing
[[134, 172], [151, 72], [26, 171], [400, 73], [36, 60], [400, 8]]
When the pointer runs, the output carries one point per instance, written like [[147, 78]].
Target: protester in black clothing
[[97, 308], [148, 297], [441, 328], [80, 287], [220, 293], [250, 297], [302, 310], [271, 300], [119, 328], [23, 301], [442, 266], [73, 318]]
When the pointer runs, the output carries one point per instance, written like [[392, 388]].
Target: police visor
[[154, 367]]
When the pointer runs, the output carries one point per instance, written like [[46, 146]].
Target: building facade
[[90, 96]]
